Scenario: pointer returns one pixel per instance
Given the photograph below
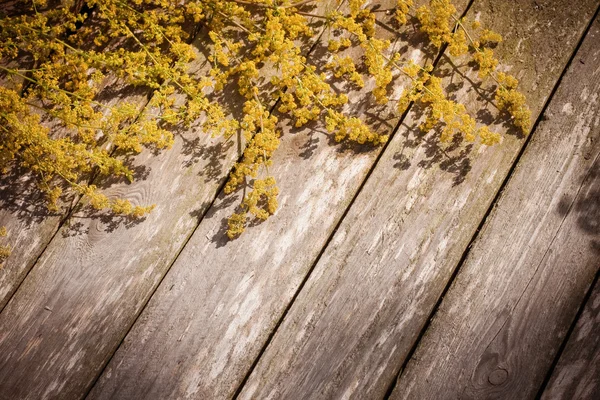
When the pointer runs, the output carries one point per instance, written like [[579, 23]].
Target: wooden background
[[405, 271]]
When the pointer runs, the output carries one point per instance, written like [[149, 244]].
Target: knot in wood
[[498, 376]]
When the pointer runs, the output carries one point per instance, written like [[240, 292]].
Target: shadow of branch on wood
[[586, 206], [486, 91], [454, 157], [308, 138], [21, 197]]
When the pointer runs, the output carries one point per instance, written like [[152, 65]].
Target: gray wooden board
[[577, 374], [506, 314], [79, 300], [207, 322], [23, 208], [22, 211], [364, 305]]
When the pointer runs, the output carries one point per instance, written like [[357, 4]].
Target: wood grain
[[501, 323], [23, 208], [207, 322], [364, 305], [95, 276], [577, 374]]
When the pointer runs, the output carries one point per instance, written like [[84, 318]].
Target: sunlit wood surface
[[405, 271]]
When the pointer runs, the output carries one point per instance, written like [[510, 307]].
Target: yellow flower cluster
[[337, 45], [260, 202], [4, 250], [488, 137], [72, 59], [402, 8], [488, 37], [435, 21], [457, 43], [486, 62], [352, 129], [118, 206], [509, 99], [56, 61], [344, 66], [451, 115], [260, 147], [419, 77], [378, 67], [360, 24]]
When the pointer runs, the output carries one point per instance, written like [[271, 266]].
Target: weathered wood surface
[[241, 296], [577, 374], [23, 208], [22, 212], [207, 322], [30, 227], [372, 290], [506, 314], [95, 276]]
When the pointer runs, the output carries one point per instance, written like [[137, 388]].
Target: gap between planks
[[200, 219], [75, 201], [490, 208], [337, 225], [190, 246], [318, 288], [583, 49], [577, 326], [196, 223], [63, 219]]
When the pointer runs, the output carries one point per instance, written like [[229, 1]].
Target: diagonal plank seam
[[586, 299], [337, 225], [185, 242], [556, 233], [492, 205], [543, 257], [77, 199], [584, 302], [62, 221], [550, 244]]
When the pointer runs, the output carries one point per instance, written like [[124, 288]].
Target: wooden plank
[[363, 306], [216, 307], [23, 208], [78, 302], [30, 227], [501, 323], [577, 374], [207, 322]]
